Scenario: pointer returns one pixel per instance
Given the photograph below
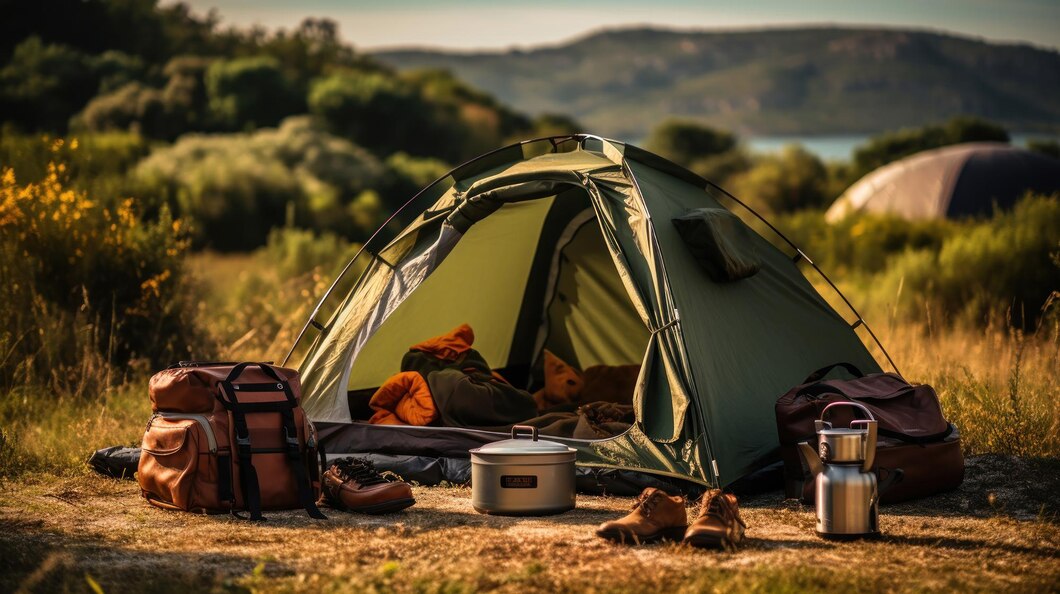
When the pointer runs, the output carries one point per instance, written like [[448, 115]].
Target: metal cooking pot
[[523, 476]]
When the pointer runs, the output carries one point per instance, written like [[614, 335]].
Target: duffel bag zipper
[[201, 419]]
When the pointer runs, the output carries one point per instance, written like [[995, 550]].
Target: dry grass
[[61, 526], [996, 384], [989, 536]]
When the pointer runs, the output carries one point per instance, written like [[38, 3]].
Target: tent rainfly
[[603, 252], [950, 182]]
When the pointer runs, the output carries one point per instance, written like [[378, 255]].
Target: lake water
[[842, 146]]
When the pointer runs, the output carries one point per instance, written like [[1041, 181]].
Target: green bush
[[374, 110], [297, 252], [411, 174], [247, 93], [43, 84], [792, 180], [164, 113], [1008, 262], [85, 286], [95, 163], [236, 187], [686, 142], [860, 245], [132, 107]]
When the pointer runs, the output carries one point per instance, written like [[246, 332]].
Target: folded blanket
[[478, 400], [404, 399], [595, 420]]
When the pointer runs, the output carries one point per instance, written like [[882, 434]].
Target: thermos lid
[[839, 431]]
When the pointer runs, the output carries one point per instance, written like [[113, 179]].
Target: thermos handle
[[869, 451], [523, 429], [858, 405]]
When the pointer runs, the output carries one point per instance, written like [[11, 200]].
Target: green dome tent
[[606, 254]]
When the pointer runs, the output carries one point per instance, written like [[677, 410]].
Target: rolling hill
[[823, 80]]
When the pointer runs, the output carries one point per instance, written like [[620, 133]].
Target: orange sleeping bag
[[404, 399]]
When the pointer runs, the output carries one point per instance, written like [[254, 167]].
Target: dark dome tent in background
[[950, 182], [609, 225]]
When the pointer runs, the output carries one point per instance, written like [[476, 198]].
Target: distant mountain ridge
[[821, 80]]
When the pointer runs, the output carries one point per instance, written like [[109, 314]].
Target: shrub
[[131, 107], [409, 175], [43, 84], [185, 91], [374, 110], [1007, 262], [251, 92], [795, 179], [862, 244], [164, 113], [297, 252], [86, 287], [96, 163], [686, 142], [236, 187]]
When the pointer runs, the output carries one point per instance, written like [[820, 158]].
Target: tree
[[685, 142], [250, 92], [132, 107], [185, 91], [43, 85], [793, 180], [379, 112]]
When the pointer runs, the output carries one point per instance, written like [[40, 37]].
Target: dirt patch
[[999, 531]]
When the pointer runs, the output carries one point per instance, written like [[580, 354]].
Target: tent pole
[[449, 174]]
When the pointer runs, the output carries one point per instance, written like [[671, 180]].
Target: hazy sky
[[467, 24]]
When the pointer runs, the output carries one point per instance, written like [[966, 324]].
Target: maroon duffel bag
[[913, 434]]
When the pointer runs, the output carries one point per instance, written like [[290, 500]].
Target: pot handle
[[522, 429]]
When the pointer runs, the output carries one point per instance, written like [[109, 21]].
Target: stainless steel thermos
[[846, 491]]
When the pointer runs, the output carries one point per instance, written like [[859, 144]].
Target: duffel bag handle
[[264, 367], [820, 373]]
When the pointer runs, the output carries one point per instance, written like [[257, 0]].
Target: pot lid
[[524, 441]]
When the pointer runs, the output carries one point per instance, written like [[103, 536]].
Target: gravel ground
[[998, 532]]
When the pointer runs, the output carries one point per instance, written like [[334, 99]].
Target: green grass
[[52, 434]]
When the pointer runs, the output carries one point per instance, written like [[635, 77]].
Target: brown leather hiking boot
[[655, 516], [718, 525], [353, 484]]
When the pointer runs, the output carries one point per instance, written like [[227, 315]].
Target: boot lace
[[358, 469], [716, 504], [647, 502]]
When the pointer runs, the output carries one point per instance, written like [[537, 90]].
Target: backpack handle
[[264, 367]]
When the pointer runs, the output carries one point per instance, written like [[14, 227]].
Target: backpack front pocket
[[174, 452]]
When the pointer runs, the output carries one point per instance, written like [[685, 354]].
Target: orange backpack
[[218, 445]]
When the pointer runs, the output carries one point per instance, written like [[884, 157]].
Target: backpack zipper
[[201, 419]]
